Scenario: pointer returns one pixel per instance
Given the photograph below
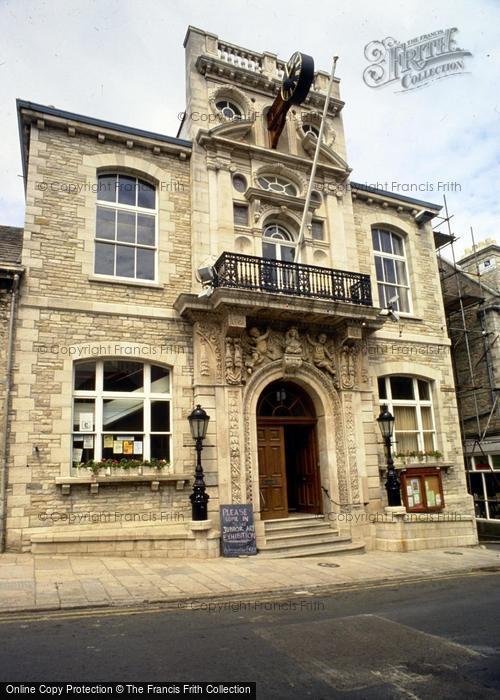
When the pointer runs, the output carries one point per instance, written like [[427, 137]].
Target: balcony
[[233, 270]]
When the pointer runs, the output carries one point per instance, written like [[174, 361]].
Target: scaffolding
[[457, 302]]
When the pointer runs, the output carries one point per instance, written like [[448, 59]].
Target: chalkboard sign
[[237, 530]]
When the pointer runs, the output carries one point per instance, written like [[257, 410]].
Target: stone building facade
[[471, 293], [161, 273]]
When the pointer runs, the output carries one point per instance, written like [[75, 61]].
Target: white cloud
[[123, 61]]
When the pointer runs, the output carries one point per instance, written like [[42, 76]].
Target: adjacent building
[[162, 272], [471, 293]]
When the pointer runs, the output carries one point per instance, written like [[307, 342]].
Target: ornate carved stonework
[[210, 355], [348, 355], [351, 447], [263, 346], [234, 445], [234, 360], [320, 378]]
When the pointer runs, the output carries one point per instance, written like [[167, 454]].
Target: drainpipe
[[6, 407]]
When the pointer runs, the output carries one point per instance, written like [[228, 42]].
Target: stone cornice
[[221, 70], [279, 200], [208, 140]]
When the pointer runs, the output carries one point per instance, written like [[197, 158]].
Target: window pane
[[495, 459], [114, 446], [127, 190], [382, 391], [423, 390], [83, 448], [145, 264], [85, 376], [160, 380], [476, 485], [104, 259], [401, 272], [240, 215], [146, 230], [378, 268], [428, 442], [105, 225], [84, 415], [269, 251], [317, 230], [123, 414], [402, 388], [403, 301], [126, 227], [492, 486], [389, 271], [375, 240], [160, 447], [405, 418], [145, 195], [160, 416], [381, 296], [426, 418], [287, 253], [385, 241], [120, 375], [106, 188], [125, 261], [397, 245], [406, 442]]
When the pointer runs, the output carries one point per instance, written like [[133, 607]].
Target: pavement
[[64, 582]]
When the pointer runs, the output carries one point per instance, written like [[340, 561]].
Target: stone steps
[[304, 536]]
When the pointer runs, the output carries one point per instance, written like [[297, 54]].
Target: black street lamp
[[393, 484], [198, 423]]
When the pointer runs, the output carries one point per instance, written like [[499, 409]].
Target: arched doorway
[[289, 478]]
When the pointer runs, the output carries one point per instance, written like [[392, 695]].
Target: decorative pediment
[[327, 154], [237, 130]]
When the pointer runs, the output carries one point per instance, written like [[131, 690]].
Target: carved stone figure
[[294, 351], [258, 348], [321, 357], [293, 346]]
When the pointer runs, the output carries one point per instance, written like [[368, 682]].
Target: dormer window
[[228, 109], [273, 183]]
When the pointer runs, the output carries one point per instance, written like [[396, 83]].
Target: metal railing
[[292, 279]]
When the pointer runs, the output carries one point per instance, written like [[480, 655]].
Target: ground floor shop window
[[422, 490], [483, 480], [121, 410]]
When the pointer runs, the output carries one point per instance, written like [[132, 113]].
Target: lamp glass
[[198, 423], [386, 422]]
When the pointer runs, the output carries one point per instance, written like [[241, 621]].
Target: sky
[[123, 61]]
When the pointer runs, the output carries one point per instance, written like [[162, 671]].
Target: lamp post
[[198, 423], [393, 484]]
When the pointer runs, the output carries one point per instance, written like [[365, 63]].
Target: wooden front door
[[272, 471], [307, 472]]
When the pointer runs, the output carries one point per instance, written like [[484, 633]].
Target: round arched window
[[228, 109], [278, 243], [274, 183]]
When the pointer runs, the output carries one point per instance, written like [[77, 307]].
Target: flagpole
[[300, 240]]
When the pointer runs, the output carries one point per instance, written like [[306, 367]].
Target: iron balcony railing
[[292, 279]]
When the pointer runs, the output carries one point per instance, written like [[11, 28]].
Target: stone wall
[[65, 315]]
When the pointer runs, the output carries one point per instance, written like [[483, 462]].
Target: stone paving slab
[[63, 582]]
